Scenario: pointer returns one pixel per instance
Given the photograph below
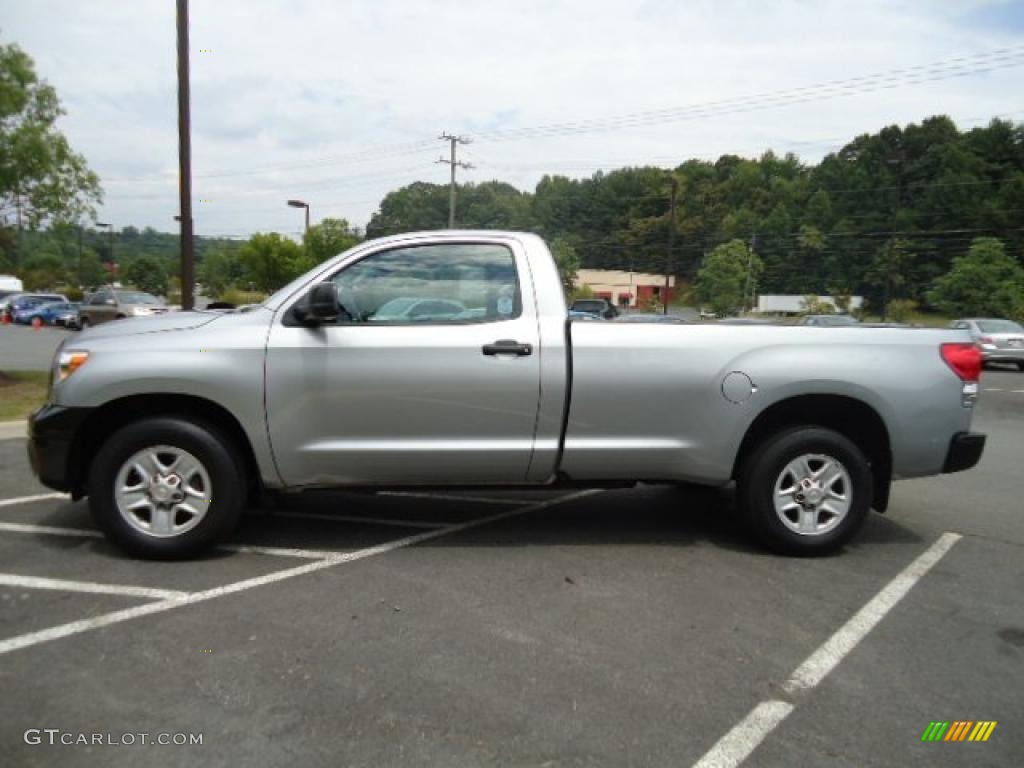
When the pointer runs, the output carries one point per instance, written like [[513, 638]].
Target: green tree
[[722, 282], [43, 271], [985, 282], [888, 271], [567, 261], [271, 261], [89, 270], [327, 239], [41, 177], [221, 268], [146, 273]]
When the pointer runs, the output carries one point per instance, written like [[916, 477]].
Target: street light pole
[[301, 204], [113, 264]]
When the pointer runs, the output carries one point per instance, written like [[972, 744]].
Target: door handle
[[508, 347]]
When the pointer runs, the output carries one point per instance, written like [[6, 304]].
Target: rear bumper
[[1005, 355], [51, 432], [965, 449]]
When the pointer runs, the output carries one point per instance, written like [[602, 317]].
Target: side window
[[431, 284]]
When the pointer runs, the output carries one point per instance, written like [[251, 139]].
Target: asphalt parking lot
[[627, 627]]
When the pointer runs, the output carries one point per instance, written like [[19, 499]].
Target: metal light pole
[[185, 161], [113, 264], [301, 204]]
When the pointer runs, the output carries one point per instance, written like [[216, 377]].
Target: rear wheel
[[166, 488], [84, 323], [805, 491]]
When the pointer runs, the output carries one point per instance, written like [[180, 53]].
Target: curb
[[10, 430]]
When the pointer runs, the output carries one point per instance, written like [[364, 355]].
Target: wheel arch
[[108, 418], [849, 416]]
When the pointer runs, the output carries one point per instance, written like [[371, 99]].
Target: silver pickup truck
[[447, 359]]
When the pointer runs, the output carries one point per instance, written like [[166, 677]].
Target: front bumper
[[51, 433], [965, 449]]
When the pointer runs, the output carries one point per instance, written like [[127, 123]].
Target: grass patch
[[21, 392]]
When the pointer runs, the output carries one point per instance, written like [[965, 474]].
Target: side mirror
[[320, 305]]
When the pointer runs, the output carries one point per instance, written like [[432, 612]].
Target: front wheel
[[805, 491], [166, 488]]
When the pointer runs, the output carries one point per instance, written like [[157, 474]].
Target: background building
[[625, 289]]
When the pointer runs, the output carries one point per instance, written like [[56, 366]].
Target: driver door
[[408, 385]]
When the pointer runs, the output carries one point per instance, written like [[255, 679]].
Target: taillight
[[985, 340], [963, 359]]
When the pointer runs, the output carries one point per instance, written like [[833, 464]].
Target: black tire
[[217, 458], [765, 467], [83, 324], [1020, 366]]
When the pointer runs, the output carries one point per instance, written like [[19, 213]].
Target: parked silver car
[[115, 304], [1000, 341]]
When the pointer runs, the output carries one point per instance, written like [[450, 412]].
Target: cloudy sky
[[339, 102]]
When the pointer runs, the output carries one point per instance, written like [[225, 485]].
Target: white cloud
[[289, 86]]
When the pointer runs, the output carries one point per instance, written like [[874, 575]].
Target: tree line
[[890, 216]]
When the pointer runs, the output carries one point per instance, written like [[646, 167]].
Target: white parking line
[[49, 529], [845, 639], [37, 497], [253, 549], [733, 748], [52, 530], [452, 497], [75, 627], [364, 520], [64, 585]]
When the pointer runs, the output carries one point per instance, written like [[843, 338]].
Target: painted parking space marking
[[362, 520], [84, 625], [28, 499], [65, 585], [51, 530], [453, 497], [733, 748], [252, 549], [736, 745]]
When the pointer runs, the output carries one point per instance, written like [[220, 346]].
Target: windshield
[[999, 326], [137, 297]]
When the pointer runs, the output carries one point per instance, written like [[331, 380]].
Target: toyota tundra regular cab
[[446, 359]]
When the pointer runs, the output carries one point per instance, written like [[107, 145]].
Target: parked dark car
[[601, 307]]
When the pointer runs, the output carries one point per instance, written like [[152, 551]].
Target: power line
[[915, 75]]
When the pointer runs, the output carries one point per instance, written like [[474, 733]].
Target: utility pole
[[748, 288], [670, 258], [453, 140], [185, 161]]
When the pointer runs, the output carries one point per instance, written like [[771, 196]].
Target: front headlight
[[67, 363]]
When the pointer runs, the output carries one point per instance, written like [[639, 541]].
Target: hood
[[169, 321]]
